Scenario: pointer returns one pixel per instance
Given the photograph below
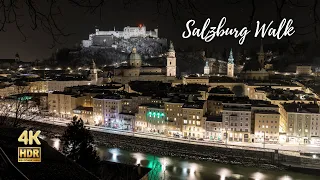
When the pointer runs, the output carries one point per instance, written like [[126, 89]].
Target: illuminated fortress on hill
[[105, 38]]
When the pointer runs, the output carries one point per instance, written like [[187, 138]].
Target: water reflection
[[258, 176], [115, 152], [56, 143], [138, 157], [224, 172], [285, 178], [175, 168]]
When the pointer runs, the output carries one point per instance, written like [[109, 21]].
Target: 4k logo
[[29, 154]]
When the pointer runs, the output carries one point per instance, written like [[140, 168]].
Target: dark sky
[[76, 21]]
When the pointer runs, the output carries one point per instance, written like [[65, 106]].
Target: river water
[[171, 168]]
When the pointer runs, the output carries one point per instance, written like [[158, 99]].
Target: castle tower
[[206, 68], [93, 73], [171, 61], [230, 70], [135, 59], [261, 56]]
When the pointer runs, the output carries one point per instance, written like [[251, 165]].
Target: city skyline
[[128, 90]]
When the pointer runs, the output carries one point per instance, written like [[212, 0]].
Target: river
[[171, 168]]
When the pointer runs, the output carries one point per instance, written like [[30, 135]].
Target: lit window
[[185, 121]]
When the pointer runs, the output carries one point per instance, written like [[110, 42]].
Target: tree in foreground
[[78, 145]]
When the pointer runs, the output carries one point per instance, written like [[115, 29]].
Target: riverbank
[[247, 158]]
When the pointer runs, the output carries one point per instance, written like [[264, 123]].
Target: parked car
[[193, 138], [201, 139], [185, 137]]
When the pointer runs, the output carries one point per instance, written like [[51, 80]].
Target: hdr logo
[[29, 154]]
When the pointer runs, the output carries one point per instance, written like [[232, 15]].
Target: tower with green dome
[[230, 70]]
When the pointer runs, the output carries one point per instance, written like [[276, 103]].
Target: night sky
[[115, 14]]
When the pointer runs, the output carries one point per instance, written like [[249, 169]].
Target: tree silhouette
[[78, 145]]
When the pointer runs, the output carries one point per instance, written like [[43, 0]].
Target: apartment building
[[236, 122], [173, 111], [106, 109], [193, 119], [302, 122], [214, 128], [141, 123], [85, 113], [62, 104], [268, 127], [156, 118]]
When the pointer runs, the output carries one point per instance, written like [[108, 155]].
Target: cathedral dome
[[134, 55]]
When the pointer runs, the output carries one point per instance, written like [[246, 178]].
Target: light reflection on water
[[176, 168], [56, 143], [223, 173]]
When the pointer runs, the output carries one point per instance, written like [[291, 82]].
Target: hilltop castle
[[103, 38]]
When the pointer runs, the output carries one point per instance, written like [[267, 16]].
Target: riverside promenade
[[158, 145]]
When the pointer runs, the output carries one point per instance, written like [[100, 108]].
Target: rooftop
[[221, 90], [152, 105], [237, 108], [194, 105], [81, 108], [107, 96], [223, 79], [214, 118], [227, 99], [266, 112], [301, 107]]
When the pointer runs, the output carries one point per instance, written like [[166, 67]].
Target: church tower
[[206, 68], [135, 59], [230, 70], [93, 73], [171, 61], [261, 56]]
